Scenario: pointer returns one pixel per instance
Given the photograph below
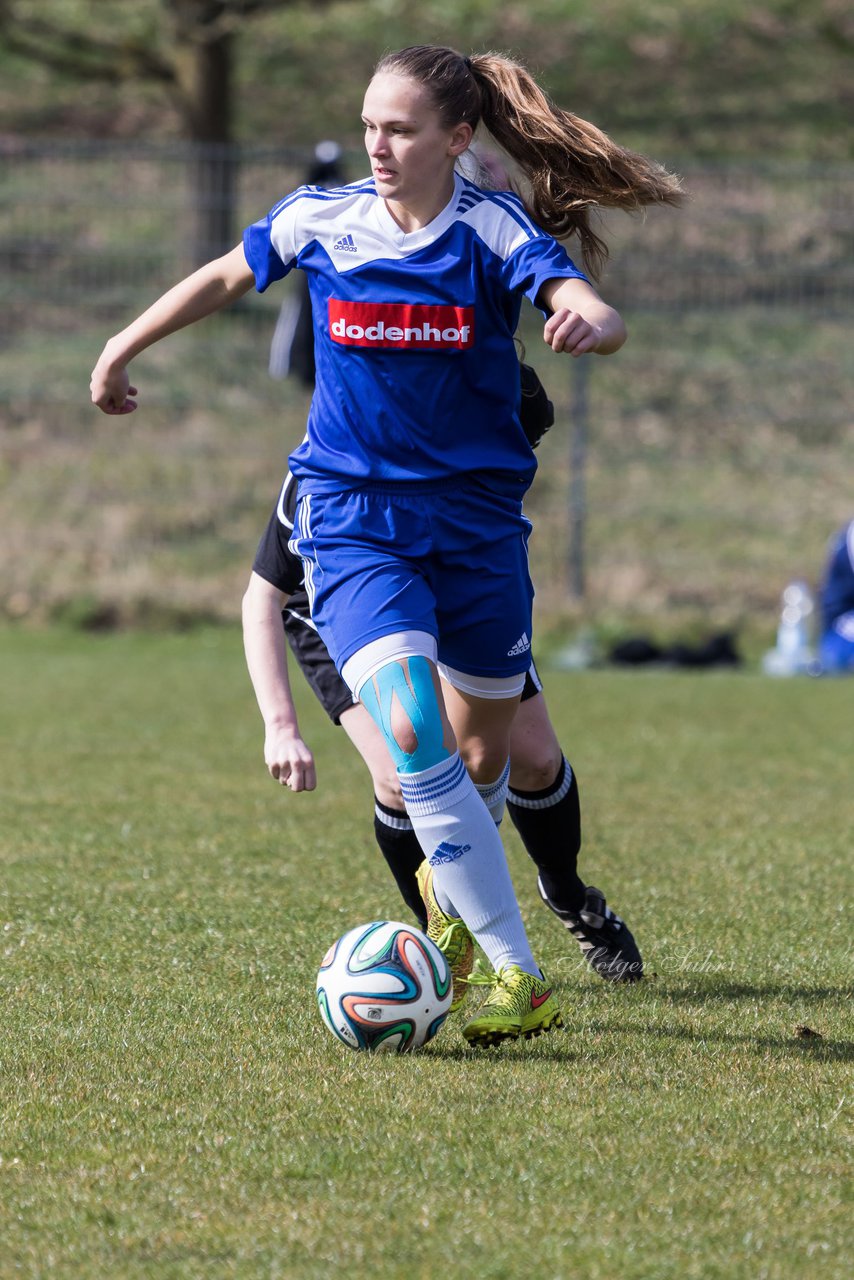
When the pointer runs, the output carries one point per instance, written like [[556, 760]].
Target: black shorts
[[313, 658], [314, 662]]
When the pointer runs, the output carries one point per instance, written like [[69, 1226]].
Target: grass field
[[172, 1106]]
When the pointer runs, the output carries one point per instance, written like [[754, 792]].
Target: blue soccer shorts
[[451, 563]]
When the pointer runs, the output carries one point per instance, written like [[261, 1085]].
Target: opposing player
[[543, 797], [836, 599], [411, 476]]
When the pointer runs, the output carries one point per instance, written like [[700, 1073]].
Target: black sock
[[549, 824], [404, 855]]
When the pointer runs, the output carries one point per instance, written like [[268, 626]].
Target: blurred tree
[[186, 46]]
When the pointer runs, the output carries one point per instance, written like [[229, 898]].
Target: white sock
[[494, 794], [462, 844]]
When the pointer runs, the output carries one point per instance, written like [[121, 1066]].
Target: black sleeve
[[274, 561], [536, 411]]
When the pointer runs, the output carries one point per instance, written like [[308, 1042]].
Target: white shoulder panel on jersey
[[313, 213], [498, 218]]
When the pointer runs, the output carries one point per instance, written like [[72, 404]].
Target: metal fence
[[691, 472], [109, 217]]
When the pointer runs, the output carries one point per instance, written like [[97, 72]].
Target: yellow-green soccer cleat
[[450, 934], [517, 1005]]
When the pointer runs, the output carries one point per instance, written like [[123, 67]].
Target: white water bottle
[[794, 653]]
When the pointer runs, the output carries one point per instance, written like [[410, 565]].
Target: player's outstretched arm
[[287, 757], [580, 323], [207, 290]]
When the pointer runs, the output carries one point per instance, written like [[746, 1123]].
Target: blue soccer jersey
[[417, 373]]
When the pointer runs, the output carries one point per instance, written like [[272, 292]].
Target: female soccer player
[[542, 800], [412, 472]]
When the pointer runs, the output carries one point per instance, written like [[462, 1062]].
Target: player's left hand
[[568, 331]]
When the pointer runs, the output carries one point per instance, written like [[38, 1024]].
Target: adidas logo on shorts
[[522, 645], [345, 245]]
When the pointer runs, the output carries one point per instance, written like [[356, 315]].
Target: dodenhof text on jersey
[[411, 325]]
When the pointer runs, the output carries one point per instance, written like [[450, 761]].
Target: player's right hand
[[111, 390]]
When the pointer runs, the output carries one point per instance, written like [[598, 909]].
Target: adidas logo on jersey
[[345, 245], [522, 645]]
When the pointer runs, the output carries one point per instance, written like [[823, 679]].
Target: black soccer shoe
[[604, 938]]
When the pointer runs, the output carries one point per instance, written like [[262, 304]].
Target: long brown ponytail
[[571, 166]]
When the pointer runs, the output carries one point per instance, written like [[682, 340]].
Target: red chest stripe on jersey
[[405, 326]]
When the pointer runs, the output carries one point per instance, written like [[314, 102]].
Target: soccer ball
[[384, 987]]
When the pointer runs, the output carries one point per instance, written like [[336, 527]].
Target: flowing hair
[[571, 167]]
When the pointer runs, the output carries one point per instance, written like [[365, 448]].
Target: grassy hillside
[[709, 483], [720, 440], [702, 78]]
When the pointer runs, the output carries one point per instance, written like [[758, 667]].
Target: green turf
[[171, 1105]]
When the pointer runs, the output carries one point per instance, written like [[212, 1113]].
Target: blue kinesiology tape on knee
[[416, 697]]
